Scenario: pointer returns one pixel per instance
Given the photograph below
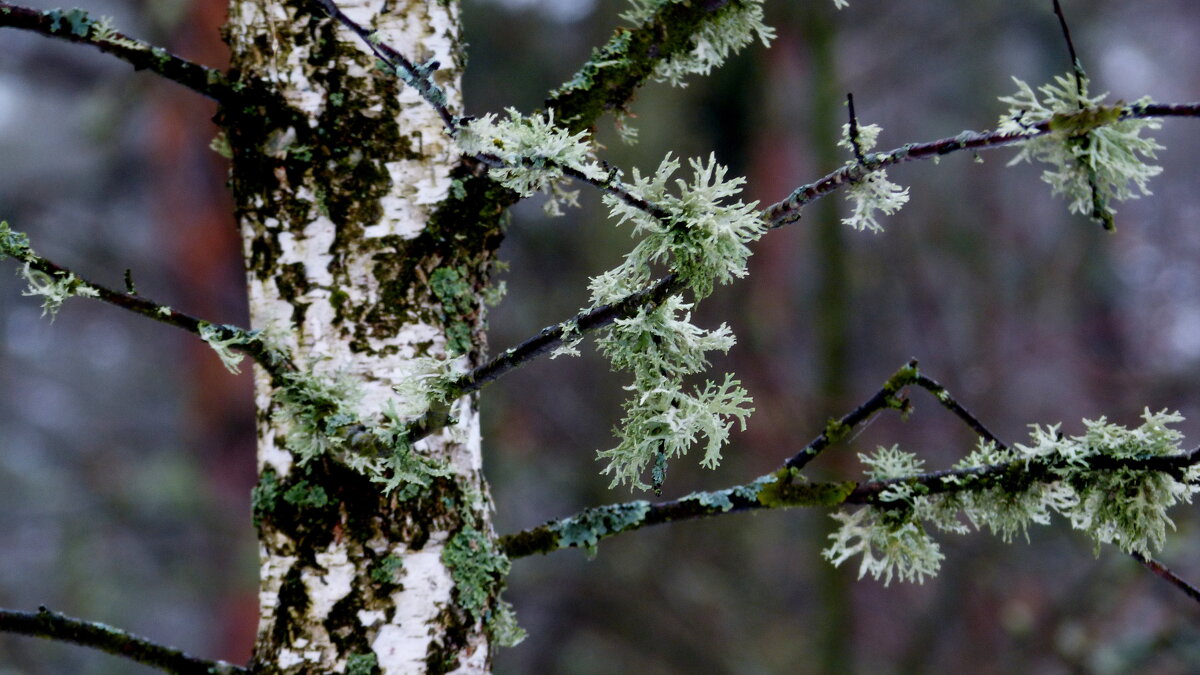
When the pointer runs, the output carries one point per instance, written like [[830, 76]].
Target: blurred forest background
[[127, 452]]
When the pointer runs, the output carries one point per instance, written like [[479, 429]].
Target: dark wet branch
[[62, 628], [75, 25]]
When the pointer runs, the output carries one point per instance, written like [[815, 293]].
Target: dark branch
[[55, 626], [1076, 64], [854, 142], [548, 339], [1162, 572], [835, 430], [949, 403], [418, 77], [785, 489], [143, 306], [75, 25], [788, 211]]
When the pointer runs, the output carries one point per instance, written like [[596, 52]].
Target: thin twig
[[145, 307], [418, 77], [886, 397], [949, 403], [76, 26], [55, 626], [1160, 570], [854, 143], [1076, 64]]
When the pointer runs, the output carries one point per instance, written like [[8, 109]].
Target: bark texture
[[366, 245]]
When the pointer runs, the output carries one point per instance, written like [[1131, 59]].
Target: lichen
[[1091, 479], [1095, 152], [478, 569], [589, 527]]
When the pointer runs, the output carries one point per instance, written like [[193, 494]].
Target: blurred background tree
[[126, 450]]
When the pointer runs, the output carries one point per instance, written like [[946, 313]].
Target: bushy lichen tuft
[[873, 192], [535, 154], [1096, 153]]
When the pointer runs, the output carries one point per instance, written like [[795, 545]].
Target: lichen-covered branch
[[835, 430], [76, 25], [55, 626], [785, 488], [609, 79], [788, 210], [55, 283]]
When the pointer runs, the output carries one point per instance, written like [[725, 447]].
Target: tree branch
[[788, 210], [835, 430], [1170, 577], [15, 244], [777, 215], [418, 77], [610, 78], [55, 626], [786, 489], [75, 25]]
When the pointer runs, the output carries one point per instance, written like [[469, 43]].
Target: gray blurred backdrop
[[127, 452]]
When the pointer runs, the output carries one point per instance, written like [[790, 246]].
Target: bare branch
[[1163, 572], [55, 626], [75, 25], [949, 403]]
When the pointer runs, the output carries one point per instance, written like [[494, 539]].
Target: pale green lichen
[[873, 192], [534, 153], [713, 42], [1096, 153], [712, 500], [704, 238], [223, 339], [589, 527], [320, 416], [662, 420], [569, 345], [478, 569], [361, 664], [14, 244], [54, 289], [388, 570], [1081, 478], [699, 230]]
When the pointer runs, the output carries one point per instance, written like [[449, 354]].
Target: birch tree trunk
[[358, 258]]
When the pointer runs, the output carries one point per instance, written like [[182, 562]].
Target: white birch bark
[[336, 182]]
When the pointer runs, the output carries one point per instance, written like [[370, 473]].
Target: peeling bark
[[340, 174]]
